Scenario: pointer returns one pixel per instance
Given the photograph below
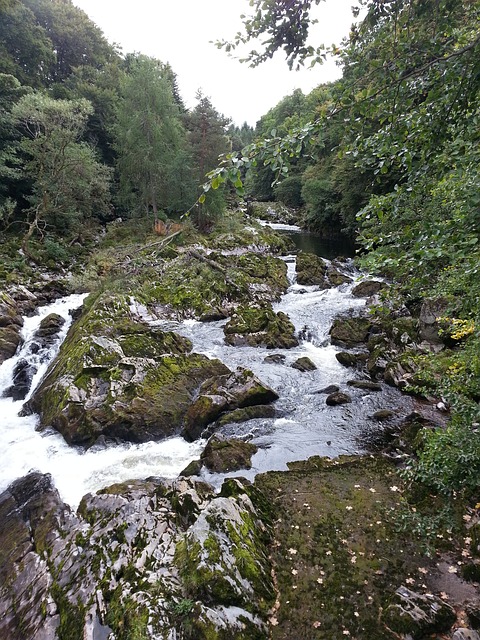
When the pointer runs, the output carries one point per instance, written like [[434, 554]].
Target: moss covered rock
[[222, 455], [115, 376], [311, 269], [260, 326], [228, 392], [350, 331]]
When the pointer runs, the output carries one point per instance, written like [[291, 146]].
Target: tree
[[68, 185], [149, 138], [207, 140]]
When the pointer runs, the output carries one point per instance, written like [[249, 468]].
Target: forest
[[387, 155]]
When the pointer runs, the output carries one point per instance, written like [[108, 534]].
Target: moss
[[337, 545], [72, 616]]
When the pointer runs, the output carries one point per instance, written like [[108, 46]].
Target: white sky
[[180, 31]]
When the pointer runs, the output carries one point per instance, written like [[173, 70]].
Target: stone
[[311, 270], [336, 277], [275, 358], [127, 561], [332, 388], [9, 342], [337, 398], [247, 413], [430, 312], [366, 385], [418, 614], [235, 390], [304, 364], [50, 326], [472, 610], [351, 331], [367, 288], [223, 455], [383, 414], [260, 326], [22, 378], [346, 359]]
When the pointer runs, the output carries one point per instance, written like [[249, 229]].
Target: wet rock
[[224, 455], [247, 413], [49, 327], [418, 614], [214, 315], [367, 288], [116, 377], [366, 385], [349, 332], [275, 358], [336, 277], [223, 393], [337, 398], [311, 270], [9, 341], [347, 359], [128, 561], [10, 325], [304, 364], [332, 388], [260, 327], [22, 378], [383, 414]]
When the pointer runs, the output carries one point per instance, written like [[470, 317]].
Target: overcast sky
[[180, 31]]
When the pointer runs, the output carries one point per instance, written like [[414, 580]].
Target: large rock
[[311, 269], [367, 288], [120, 378], [260, 326], [350, 331], [10, 324], [418, 615], [430, 313], [222, 394], [139, 560], [222, 455]]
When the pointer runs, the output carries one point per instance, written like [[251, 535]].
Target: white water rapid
[[75, 472]]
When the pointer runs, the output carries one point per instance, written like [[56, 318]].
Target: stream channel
[[304, 425]]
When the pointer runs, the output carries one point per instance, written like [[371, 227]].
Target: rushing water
[[304, 425], [75, 472]]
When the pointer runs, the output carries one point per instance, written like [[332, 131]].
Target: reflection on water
[[325, 247]]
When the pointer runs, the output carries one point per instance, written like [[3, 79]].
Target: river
[[304, 425]]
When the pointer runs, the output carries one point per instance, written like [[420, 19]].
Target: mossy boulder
[[197, 284], [350, 331], [117, 377], [246, 413], [336, 277], [9, 341], [304, 364], [311, 270], [50, 326], [124, 560], [222, 455], [367, 288], [224, 393], [260, 326]]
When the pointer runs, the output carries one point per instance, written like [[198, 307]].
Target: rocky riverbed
[[330, 548]]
